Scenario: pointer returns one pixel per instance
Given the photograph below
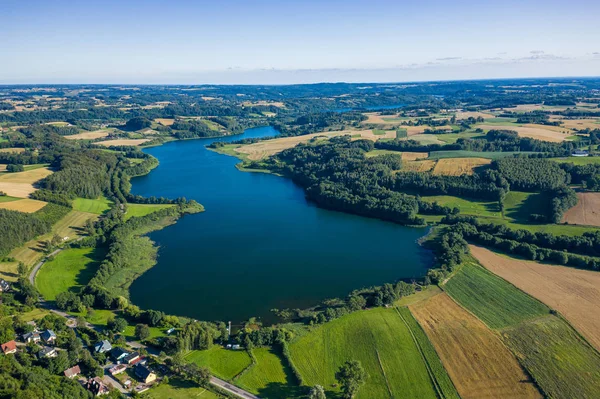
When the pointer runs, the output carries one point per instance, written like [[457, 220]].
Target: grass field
[[575, 293], [380, 340], [564, 366], [578, 160], [137, 210], [496, 302], [26, 205], [444, 385], [476, 359], [70, 270], [178, 389], [97, 206], [224, 363], [269, 377]]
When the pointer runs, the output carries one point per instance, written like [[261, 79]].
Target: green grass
[[380, 340], [438, 373], [379, 132], [178, 389], [578, 160], [137, 210], [488, 209], [155, 332], [6, 198], [451, 138], [223, 363], [270, 377], [496, 302], [500, 121], [562, 364], [97, 206], [474, 154], [98, 317], [374, 153], [70, 270]]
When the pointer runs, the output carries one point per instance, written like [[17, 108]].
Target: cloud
[[448, 58], [536, 52]]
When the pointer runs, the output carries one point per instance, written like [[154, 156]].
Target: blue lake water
[[259, 245]]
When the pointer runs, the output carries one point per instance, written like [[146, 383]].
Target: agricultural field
[[540, 132], [178, 389], [459, 166], [406, 156], [224, 363], [21, 184], [578, 160], [425, 139], [451, 138], [15, 150], [473, 114], [586, 212], [23, 205], [577, 124], [119, 142], [418, 166], [476, 359], [96, 134], [269, 377], [496, 302], [165, 121], [575, 293], [563, 365], [96, 206], [137, 210], [474, 154], [380, 340], [70, 270]]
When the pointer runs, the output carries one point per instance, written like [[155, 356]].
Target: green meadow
[[224, 363]]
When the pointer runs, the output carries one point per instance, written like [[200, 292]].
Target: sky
[[289, 41]]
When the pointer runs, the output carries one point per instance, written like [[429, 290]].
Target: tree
[[142, 331], [22, 269], [317, 392], [117, 325], [351, 376]]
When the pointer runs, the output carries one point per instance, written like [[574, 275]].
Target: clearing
[[575, 293], [70, 270], [20, 184], [119, 142], [380, 340], [224, 363], [476, 359], [586, 212], [459, 166], [564, 366], [23, 205], [138, 210], [96, 134], [540, 132], [97, 206]]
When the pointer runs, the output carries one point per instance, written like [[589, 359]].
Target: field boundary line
[[438, 390]]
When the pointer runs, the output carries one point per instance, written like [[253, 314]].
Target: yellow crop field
[[459, 166], [23, 205], [165, 121], [16, 150], [418, 166], [96, 134], [118, 142], [20, 184]]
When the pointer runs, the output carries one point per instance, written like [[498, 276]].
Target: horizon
[[273, 43]]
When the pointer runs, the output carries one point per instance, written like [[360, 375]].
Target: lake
[[259, 245]]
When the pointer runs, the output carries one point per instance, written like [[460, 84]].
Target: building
[[580, 153], [118, 354], [4, 285], [132, 358], [47, 351], [72, 372], [102, 346], [96, 387], [9, 347], [48, 336], [33, 336], [118, 369], [144, 374]]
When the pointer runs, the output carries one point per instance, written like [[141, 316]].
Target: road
[[39, 265], [231, 388]]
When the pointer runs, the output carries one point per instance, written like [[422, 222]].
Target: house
[[118, 354], [72, 372], [580, 153], [4, 286], [235, 347], [9, 347], [48, 336], [102, 346], [144, 374], [47, 351], [118, 369], [132, 358], [33, 336], [170, 331], [96, 387]]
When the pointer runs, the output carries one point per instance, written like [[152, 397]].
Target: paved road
[[231, 388], [113, 381], [39, 265]]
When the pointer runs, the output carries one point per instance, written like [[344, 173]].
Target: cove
[[260, 244]]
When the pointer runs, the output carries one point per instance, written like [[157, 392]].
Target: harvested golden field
[[3, 167], [378, 119], [535, 107], [473, 114], [579, 124], [23, 205], [413, 156], [586, 212], [418, 166], [264, 149], [96, 134], [20, 184], [540, 132], [16, 150], [477, 361], [459, 166], [117, 142], [277, 104], [165, 121], [575, 293]]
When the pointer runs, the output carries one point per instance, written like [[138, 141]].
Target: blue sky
[[267, 41]]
